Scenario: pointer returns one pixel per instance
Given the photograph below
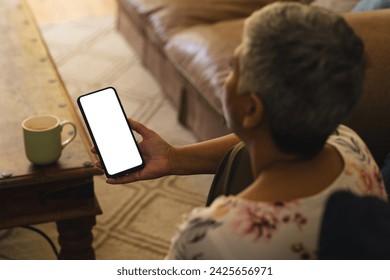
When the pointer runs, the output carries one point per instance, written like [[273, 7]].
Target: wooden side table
[[62, 192]]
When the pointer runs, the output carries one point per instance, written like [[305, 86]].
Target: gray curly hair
[[307, 66]]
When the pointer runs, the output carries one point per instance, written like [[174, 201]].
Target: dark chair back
[[233, 175]]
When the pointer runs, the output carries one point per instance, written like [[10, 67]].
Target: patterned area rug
[[138, 219]]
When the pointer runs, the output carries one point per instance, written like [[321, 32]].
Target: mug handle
[[71, 138]]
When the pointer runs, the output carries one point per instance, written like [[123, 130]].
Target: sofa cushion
[[184, 14], [162, 18], [202, 55]]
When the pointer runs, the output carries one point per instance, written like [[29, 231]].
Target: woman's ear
[[254, 111]]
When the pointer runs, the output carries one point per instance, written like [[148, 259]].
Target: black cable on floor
[[47, 238]]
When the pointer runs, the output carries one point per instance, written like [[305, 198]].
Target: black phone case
[[125, 172]]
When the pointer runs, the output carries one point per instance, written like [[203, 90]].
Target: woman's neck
[[281, 177]]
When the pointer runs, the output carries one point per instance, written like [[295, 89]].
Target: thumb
[[139, 127]]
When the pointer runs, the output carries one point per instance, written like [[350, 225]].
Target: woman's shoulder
[[345, 132], [361, 173], [350, 145]]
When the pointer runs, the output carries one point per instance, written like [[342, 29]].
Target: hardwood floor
[[50, 11]]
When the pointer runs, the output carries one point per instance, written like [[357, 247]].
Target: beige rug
[[138, 219]]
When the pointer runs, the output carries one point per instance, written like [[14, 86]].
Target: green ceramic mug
[[42, 138]]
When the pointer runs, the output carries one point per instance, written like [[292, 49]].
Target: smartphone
[[110, 132]]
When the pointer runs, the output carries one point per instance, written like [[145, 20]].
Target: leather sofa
[[187, 46]]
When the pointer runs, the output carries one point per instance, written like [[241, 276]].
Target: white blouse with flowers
[[237, 228]]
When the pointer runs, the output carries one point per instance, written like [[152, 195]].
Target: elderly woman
[[295, 77]]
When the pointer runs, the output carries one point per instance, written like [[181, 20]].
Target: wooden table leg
[[75, 238]]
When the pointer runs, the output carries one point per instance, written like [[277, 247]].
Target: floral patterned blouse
[[237, 228]]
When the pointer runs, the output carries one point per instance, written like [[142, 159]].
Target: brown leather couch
[[187, 46]]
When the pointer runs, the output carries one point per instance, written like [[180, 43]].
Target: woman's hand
[[156, 153]]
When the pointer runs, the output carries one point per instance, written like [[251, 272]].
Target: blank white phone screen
[[111, 131]]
